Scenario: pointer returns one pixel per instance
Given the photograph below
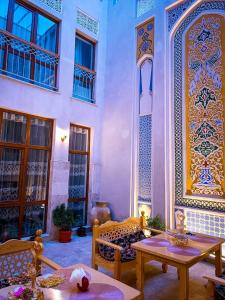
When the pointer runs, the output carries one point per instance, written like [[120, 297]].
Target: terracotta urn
[[101, 212]]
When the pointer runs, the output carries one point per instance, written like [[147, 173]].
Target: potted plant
[[63, 218], [156, 223]]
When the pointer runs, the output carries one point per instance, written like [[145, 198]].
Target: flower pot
[[81, 231], [101, 212], [64, 236]]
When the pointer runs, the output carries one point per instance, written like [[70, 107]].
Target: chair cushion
[[4, 283], [220, 290], [128, 253]]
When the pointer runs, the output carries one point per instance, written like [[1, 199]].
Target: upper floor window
[[84, 74], [28, 44]]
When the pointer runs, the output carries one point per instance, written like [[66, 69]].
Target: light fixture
[[63, 138]]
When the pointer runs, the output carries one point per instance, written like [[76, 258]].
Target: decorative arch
[[199, 138]]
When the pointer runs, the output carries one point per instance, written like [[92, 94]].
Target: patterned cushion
[[128, 253], [220, 289], [4, 283]]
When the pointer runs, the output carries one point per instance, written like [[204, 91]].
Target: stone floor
[[158, 286]]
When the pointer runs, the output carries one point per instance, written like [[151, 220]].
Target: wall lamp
[[63, 138]]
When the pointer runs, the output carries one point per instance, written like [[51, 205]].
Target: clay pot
[[101, 212], [64, 236]]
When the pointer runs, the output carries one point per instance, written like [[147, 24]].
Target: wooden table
[[96, 277], [181, 262]]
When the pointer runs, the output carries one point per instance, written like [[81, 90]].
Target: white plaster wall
[[121, 96], [60, 106]]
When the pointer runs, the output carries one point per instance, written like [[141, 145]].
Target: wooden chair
[[211, 285], [16, 254], [110, 231]]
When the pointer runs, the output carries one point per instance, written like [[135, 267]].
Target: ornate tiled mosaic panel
[[205, 223], [145, 146], [54, 4], [87, 22], [204, 97], [178, 92], [145, 39], [144, 6], [175, 12]]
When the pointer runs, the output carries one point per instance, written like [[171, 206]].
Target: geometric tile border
[[178, 95], [87, 22], [54, 4]]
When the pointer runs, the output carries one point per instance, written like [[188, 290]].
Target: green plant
[[63, 217], [156, 222]]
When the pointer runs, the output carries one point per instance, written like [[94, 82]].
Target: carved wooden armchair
[[214, 281], [16, 254], [111, 245]]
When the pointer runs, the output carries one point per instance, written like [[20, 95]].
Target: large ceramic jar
[[101, 212]]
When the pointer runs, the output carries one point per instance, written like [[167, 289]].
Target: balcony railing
[[83, 87], [28, 62]]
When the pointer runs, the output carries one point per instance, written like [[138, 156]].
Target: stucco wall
[[60, 106]]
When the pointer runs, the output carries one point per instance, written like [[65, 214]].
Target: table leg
[[140, 271], [218, 261], [184, 283]]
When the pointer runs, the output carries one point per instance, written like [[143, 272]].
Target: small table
[[200, 247], [96, 277]]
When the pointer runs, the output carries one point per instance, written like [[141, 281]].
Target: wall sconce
[[63, 138]]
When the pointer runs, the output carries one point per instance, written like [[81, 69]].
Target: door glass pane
[[3, 13], [10, 164], [46, 33], [78, 138], [13, 128], [40, 132], [79, 212], [78, 176], [33, 219], [84, 53], [37, 175], [22, 22], [9, 218]]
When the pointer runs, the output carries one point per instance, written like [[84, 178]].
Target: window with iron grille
[[28, 44], [84, 74]]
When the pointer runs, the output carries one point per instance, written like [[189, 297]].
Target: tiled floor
[[158, 286]]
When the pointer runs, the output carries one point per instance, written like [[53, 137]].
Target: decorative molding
[[87, 22], [175, 13], [54, 4], [213, 205]]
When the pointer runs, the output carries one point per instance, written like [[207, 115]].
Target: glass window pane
[[22, 22], [40, 132], [18, 66], [78, 176], [10, 164], [33, 219], [78, 138], [9, 219], [84, 53], [13, 128], [45, 75], [3, 13], [79, 212], [37, 175], [83, 87], [46, 33], [2, 53]]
